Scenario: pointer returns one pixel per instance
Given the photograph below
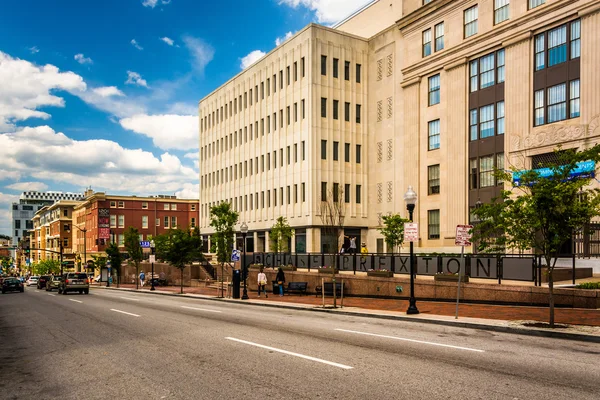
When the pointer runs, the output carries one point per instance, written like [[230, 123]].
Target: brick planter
[[328, 271], [381, 274], [450, 278]]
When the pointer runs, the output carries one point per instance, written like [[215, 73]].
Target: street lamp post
[[152, 255], [410, 197], [61, 256], [244, 230]]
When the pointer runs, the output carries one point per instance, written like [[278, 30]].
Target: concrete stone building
[[433, 94]]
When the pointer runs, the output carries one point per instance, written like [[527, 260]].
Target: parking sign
[[235, 255]]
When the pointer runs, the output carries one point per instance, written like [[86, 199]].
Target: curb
[[459, 324]]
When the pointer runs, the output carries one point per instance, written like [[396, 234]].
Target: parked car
[[41, 283], [53, 283], [74, 282], [32, 281], [12, 285]]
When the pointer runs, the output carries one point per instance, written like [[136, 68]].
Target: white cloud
[[135, 44], [251, 58], [108, 91], [167, 40], [168, 131], [153, 3], [34, 50], [133, 78], [25, 186], [328, 11], [202, 53], [189, 191], [81, 59], [27, 87], [282, 39], [6, 201]]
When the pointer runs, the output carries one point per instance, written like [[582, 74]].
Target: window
[[358, 193], [574, 99], [144, 222], [500, 10], [346, 152], [557, 45], [500, 118], [487, 77], [323, 107], [121, 240], [303, 192], [288, 155], [439, 36], [295, 152], [173, 206], [500, 66], [486, 117], [302, 66], [473, 124], [433, 224], [535, 3], [323, 191], [335, 67], [358, 153], [347, 112], [324, 65], [166, 206], [295, 71], [434, 89], [575, 39], [121, 204], [336, 146], [470, 15], [434, 134], [557, 103], [499, 165], [347, 70], [473, 173], [346, 193], [303, 113], [433, 179], [336, 104], [113, 221], [323, 149], [166, 219], [336, 192], [539, 52], [426, 42], [358, 73], [486, 171], [295, 112], [121, 221], [303, 151], [287, 73], [358, 113], [487, 70], [193, 223], [113, 204]]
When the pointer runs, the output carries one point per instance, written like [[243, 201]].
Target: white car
[[32, 281]]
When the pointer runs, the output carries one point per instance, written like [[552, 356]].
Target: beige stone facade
[[449, 90]]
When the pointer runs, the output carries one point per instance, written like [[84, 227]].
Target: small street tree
[[393, 231], [223, 220], [542, 212], [99, 262], [115, 258], [332, 213], [134, 249], [46, 267], [179, 248], [280, 234]]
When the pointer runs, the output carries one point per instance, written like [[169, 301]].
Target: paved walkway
[[572, 316]]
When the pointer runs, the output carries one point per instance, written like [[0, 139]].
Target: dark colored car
[[74, 282], [12, 285], [41, 284]]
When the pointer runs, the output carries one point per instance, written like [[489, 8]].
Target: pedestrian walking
[[352, 247], [262, 283], [280, 280], [142, 278]]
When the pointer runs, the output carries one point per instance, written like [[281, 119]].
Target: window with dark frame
[[347, 70], [336, 104], [323, 149], [358, 148], [358, 113], [487, 71], [323, 191], [358, 67], [358, 194], [347, 112], [346, 193], [433, 179], [433, 128], [426, 42], [535, 3], [439, 36], [335, 67], [433, 224], [336, 148], [346, 152], [501, 10], [434, 89], [470, 21], [323, 107], [324, 65]]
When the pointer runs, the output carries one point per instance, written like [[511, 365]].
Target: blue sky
[[104, 94]]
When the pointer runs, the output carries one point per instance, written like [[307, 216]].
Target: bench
[[291, 287], [329, 289]]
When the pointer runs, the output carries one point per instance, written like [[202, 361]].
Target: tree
[[134, 249], [393, 230], [99, 262], [179, 248], [332, 212], [543, 212], [46, 267], [280, 234], [223, 220], [114, 255]]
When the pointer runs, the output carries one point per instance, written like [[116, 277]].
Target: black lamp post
[[61, 255], [244, 230], [410, 197], [152, 255]]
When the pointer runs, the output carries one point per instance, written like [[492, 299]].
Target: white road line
[[201, 309], [124, 312], [290, 353], [412, 340], [129, 298], [76, 301], [50, 294]]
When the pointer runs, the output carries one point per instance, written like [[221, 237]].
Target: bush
[[588, 285]]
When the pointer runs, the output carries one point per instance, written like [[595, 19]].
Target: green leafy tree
[[393, 231], [46, 267], [99, 262], [223, 220], [179, 248], [542, 213], [134, 249], [280, 234], [114, 255]]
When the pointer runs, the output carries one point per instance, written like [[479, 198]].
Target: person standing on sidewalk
[[280, 280], [262, 282], [142, 277]]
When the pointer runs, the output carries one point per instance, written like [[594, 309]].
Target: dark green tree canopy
[[223, 219], [132, 244], [393, 230], [179, 247], [281, 233]]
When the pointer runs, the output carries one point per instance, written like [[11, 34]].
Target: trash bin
[[235, 280]]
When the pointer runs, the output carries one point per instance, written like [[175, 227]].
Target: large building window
[[486, 171], [323, 107], [552, 47], [335, 67], [470, 21], [323, 149], [535, 3], [487, 70], [433, 179], [486, 124], [434, 134], [439, 36], [323, 65], [358, 73], [501, 10], [426, 42], [323, 191], [336, 150], [551, 105], [434, 89], [433, 224], [358, 194], [486, 121], [121, 221], [336, 104]]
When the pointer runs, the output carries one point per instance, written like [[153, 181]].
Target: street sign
[[235, 255], [411, 232], [463, 235], [152, 258], [145, 244]]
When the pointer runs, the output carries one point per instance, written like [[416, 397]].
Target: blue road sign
[[145, 244], [235, 255]]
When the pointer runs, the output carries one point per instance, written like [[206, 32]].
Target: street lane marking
[[290, 353], [124, 312], [201, 309], [412, 340], [129, 298], [50, 294], [76, 301]]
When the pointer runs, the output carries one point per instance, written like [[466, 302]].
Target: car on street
[[12, 285], [53, 283], [41, 283], [32, 281], [74, 282]]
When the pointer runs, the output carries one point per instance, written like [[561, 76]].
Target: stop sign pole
[[463, 238]]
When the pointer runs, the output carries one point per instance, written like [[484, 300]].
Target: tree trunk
[[181, 291], [551, 293], [137, 277]]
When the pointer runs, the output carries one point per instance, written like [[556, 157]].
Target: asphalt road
[[119, 345]]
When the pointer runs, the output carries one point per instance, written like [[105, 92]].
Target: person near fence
[[352, 247], [262, 282], [280, 280], [142, 278]]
